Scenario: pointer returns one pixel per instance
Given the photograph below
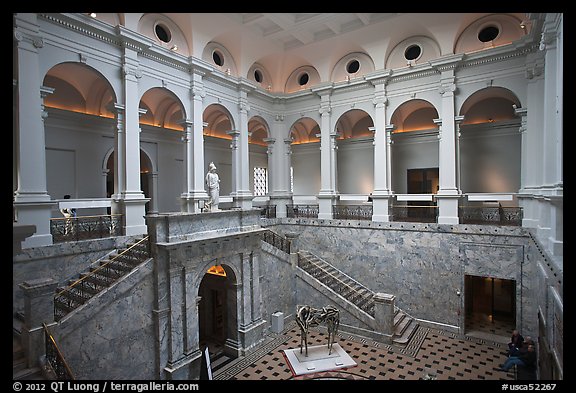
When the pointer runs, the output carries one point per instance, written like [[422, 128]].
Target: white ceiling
[[291, 30]]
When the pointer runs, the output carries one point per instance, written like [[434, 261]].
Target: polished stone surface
[[318, 359]]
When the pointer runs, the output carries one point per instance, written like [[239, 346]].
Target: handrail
[[58, 360], [334, 277], [284, 243], [79, 217], [101, 267]]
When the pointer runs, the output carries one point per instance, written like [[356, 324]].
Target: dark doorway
[[490, 305], [422, 181], [212, 310]]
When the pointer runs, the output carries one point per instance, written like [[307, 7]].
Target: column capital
[[324, 109], [45, 91], [186, 123]]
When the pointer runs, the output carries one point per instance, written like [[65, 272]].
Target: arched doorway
[[217, 313]]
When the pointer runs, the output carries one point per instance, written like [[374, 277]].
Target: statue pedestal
[[318, 359]]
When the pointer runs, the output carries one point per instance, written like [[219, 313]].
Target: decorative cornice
[[497, 54], [323, 89], [379, 77], [447, 63], [400, 77], [131, 40], [169, 58], [101, 32]]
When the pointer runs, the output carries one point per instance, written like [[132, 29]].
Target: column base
[[242, 200], [37, 214], [134, 212], [448, 208], [186, 368], [193, 202], [326, 199], [281, 201], [251, 335], [381, 207]]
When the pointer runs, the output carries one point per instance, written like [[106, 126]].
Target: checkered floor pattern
[[431, 353]]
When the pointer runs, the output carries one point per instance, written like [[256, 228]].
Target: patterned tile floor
[[445, 355]]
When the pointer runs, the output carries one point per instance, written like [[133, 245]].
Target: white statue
[[213, 183]]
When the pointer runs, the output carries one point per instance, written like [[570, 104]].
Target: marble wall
[[112, 337], [60, 262], [278, 285], [149, 320], [423, 265]]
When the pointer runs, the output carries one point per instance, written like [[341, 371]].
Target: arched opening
[[305, 158], [217, 313], [146, 183]]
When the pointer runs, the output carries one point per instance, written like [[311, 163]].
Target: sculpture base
[[318, 359]]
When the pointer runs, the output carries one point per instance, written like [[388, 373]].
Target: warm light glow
[[415, 129], [79, 110], [217, 270]]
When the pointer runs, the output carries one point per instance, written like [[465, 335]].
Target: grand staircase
[[355, 293], [99, 277]]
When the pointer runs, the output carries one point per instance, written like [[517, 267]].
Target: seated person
[[526, 359], [516, 341]]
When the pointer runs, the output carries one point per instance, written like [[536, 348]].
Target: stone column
[[119, 160], [234, 315], [384, 313], [381, 195], [243, 197], [177, 335], [246, 308], [449, 194], [550, 227], [38, 309], [235, 161], [153, 181], [327, 195], [280, 192], [131, 198], [32, 203], [256, 293], [194, 194], [272, 179]]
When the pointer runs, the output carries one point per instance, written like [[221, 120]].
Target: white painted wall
[[355, 160], [490, 159], [411, 151]]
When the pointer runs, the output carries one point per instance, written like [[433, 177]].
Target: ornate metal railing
[[305, 211], [352, 212], [85, 227], [55, 357], [99, 278], [496, 215], [268, 211], [278, 241], [414, 213], [350, 289]]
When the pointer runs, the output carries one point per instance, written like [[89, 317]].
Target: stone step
[[407, 334], [34, 373], [400, 328], [399, 315]]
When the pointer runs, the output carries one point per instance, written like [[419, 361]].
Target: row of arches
[[81, 88], [483, 32]]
